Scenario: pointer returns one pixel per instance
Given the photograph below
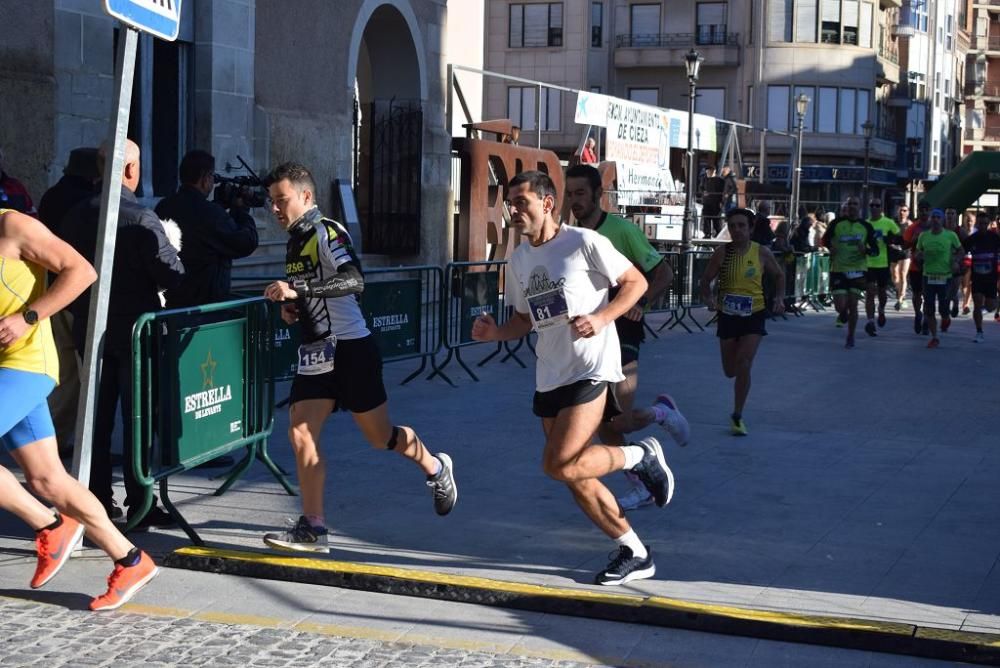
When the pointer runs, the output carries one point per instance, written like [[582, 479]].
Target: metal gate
[[394, 171]]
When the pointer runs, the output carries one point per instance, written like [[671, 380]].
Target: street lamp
[[801, 106], [692, 61], [867, 127]]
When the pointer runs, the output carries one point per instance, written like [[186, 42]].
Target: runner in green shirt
[[878, 276], [938, 250], [850, 241]]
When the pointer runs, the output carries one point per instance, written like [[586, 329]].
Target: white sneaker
[[674, 422], [979, 338]]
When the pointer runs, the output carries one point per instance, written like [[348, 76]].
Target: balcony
[[982, 89], [986, 43], [899, 99], [989, 4], [903, 29], [716, 45], [982, 134]]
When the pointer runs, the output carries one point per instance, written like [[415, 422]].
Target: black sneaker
[[870, 329], [156, 518], [954, 310], [654, 473], [300, 537], [443, 486], [881, 319], [918, 322], [625, 567]]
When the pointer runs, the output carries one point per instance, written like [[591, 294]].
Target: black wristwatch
[[301, 287], [30, 316]]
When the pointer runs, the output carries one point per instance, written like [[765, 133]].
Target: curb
[[844, 632]]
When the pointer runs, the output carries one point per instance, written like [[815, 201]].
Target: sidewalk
[[866, 488]]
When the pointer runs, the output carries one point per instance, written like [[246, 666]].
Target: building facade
[[855, 60], [356, 90]]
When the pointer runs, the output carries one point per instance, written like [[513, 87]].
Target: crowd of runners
[[582, 286]]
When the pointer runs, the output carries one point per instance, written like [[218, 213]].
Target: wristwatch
[[30, 317], [301, 287]]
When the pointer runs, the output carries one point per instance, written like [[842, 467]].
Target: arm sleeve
[[337, 252], [605, 259]]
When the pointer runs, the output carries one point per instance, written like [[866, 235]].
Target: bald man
[[145, 262]]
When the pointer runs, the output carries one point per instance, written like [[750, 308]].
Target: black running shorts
[[631, 334], [841, 284], [735, 326], [355, 384], [985, 286], [880, 276], [548, 404]]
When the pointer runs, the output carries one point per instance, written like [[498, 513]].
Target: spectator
[[144, 261], [13, 194], [77, 184], [212, 237], [711, 202], [781, 244], [803, 239], [589, 154], [762, 232], [729, 189]]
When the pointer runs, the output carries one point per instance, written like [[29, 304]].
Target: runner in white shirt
[[559, 284]]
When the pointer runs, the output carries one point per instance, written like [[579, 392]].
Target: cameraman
[[211, 236]]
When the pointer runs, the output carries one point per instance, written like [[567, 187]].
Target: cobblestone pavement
[[38, 634]]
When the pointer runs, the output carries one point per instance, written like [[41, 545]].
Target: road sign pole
[[104, 256]]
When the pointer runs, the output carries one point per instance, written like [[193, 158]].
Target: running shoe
[[300, 537], [443, 486], [945, 324], [966, 310], [934, 343], [124, 582], [850, 342], [654, 473], [899, 306], [839, 322], [635, 498], [870, 329], [737, 426], [626, 567], [881, 319], [979, 338], [918, 322], [54, 546], [954, 311], [674, 421]]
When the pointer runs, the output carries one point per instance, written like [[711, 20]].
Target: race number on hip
[[317, 357]]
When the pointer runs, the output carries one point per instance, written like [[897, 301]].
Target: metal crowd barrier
[[203, 388], [669, 301], [472, 289]]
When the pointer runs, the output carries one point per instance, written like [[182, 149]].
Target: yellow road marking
[[969, 637]]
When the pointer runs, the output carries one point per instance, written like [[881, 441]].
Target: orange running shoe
[[124, 582], [54, 547]]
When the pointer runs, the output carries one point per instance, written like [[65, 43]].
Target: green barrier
[[203, 387]]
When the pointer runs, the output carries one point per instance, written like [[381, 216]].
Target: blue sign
[[161, 18]]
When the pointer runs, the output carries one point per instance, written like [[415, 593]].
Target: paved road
[[866, 488]]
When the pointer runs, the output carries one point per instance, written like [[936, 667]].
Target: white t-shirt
[[565, 277]]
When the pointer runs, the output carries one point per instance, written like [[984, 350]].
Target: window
[[914, 13], [711, 23], [807, 120], [850, 14], [595, 89], [777, 108], [650, 96], [711, 102], [867, 21], [847, 110], [826, 110], [805, 21], [830, 18], [522, 107], [596, 24], [536, 25], [779, 20], [949, 30], [864, 102], [749, 118], [644, 24]]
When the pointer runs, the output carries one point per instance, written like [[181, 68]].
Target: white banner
[[642, 177], [637, 133], [591, 109]]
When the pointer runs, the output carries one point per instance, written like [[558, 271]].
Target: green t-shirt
[[938, 251], [884, 227], [629, 240], [842, 238]]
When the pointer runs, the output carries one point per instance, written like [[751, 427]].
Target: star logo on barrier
[[208, 371]]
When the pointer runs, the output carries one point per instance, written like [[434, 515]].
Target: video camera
[[250, 189]]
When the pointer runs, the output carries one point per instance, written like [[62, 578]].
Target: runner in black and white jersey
[[984, 247], [339, 361]]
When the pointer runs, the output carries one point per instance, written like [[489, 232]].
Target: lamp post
[[867, 127], [692, 61], [801, 106]]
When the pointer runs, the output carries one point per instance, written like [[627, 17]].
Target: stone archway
[[388, 81]]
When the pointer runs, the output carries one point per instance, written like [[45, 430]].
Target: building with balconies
[[982, 85]]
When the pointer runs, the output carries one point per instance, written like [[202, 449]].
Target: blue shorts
[[25, 417]]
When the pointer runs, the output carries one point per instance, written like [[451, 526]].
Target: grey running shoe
[[300, 537], [654, 473], [625, 567], [674, 422], [443, 486]]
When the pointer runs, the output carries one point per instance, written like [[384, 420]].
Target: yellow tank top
[[21, 283], [740, 289]]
